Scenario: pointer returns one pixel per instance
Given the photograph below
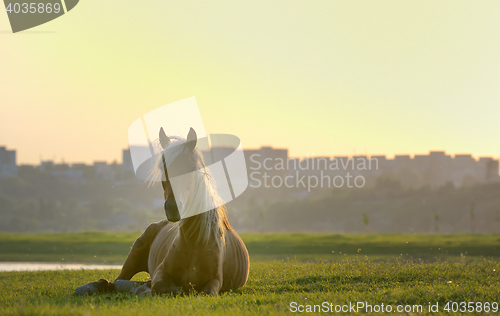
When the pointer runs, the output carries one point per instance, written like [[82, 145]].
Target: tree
[[472, 217], [366, 220]]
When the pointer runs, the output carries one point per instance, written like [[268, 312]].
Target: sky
[[321, 78]]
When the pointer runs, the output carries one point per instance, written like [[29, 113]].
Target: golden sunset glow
[[320, 78]]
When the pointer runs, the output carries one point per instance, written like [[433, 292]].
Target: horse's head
[[184, 163]]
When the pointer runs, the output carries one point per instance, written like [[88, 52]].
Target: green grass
[[339, 269], [91, 247], [270, 289], [112, 248]]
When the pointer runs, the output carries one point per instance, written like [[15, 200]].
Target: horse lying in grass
[[200, 253]]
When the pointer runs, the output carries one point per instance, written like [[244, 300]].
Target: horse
[[195, 254]]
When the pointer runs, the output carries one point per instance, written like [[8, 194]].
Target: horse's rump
[[236, 262]]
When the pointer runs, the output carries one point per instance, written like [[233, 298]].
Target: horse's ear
[[164, 140], [191, 139]]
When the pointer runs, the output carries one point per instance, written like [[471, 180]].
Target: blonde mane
[[203, 194]]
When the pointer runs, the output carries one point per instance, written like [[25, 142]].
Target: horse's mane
[[203, 194]]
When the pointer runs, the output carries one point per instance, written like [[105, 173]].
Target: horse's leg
[[213, 287], [137, 259], [100, 286], [161, 282]]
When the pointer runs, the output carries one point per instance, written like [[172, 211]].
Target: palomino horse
[[200, 253]]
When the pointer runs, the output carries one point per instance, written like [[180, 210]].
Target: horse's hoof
[[162, 288], [159, 288], [211, 292], [174, 289], [94, 287]]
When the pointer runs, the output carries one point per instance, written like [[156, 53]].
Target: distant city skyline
[[119, 159], [437, 168]]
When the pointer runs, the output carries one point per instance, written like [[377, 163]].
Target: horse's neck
[[204, 225], [190, 228], [187, 227]]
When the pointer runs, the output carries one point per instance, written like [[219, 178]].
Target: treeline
[[385, 206], [37, 201]]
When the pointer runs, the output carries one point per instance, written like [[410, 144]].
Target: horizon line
[[307, 156]]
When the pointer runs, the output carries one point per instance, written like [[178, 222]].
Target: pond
[[39, 266]]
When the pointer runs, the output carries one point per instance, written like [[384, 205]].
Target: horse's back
[[236, 263]]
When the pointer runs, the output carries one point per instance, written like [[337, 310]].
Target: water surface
[[40, 266]]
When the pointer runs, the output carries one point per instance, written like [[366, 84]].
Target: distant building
[[464, 167], [488, 169], [64, 172], [265, 156], [127, 170], [8, 166], [217, 153], [265, 159], [105, 171]]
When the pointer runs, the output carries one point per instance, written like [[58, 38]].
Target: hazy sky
[[318, 77]]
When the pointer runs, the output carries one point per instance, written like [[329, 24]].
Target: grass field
[[112, 248], [410, 269]]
